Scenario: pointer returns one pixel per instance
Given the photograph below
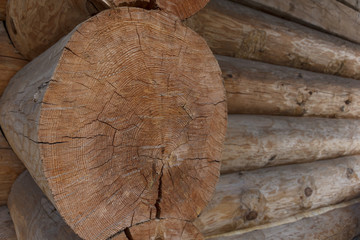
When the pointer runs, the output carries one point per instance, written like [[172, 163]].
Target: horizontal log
[[7, 231], [254, 141], [330, 16], [261, 88], [234, 30], [120, 131], [253, 198], [354, 4], [340, 224], [10, 60]]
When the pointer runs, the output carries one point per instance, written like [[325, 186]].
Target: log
[[10, 60], [7, 231], [354, 4], [330, 16], [2, 9], [262, 141], [34, 217], [10, 168], [227, 29], [252, 198], [261, 88], [340, 224], [121, 121], [181, 8]]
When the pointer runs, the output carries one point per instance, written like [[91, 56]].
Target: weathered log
[[10, 60], [247, 199], [7, 231], [354, 4], [227, 29], [326, 15], [181, 8], [10, 168], [121, 121], [261, 88], [254, 141], [34, 217], [338, 224]]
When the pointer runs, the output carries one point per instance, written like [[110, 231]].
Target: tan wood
[[237, 31], [10, 60], [354, 4], [257, 141], [35, 218], [338, 224], [7, 231], [181, 8], [10, 168], [252, 198], [261, 88], [330, 16], [121, 121], [173, 229]]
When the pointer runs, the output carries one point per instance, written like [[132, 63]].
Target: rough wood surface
[[257, 197], [234, 30], [35, 218], [10, 60], [123, 120], [338, 224], [261, 88], [330, 16], [256, 141], [354, 4], [181, 8], [7, 231], [10, 168], [35, 25], [173, 229]]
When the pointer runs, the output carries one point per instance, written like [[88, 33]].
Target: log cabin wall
[[291, 153]]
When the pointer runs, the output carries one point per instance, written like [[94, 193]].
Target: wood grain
[[252, 198], [227, 29], [261, 88], [10, 60], [257, 141], [35, 218], [338, 224], [121, 121], [7, 231], [330, 16], [354, 4]]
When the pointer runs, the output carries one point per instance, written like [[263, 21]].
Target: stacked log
[[120, 122], [7, 231]]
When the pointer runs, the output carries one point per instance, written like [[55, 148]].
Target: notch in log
[[122, 121]]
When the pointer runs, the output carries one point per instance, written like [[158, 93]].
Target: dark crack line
[[158, 200], [128, 234]]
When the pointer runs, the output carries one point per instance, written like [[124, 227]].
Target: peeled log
[[338, 224], [261, 88], [254, 141], [35, 218], [252, 198], [10, 168], [181, 8], [234, 30], [7, 231], [121, 121], [10, 60]]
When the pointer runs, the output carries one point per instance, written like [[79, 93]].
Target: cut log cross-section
[[120, 124]]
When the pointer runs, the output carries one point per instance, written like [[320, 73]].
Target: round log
[[34, 217], [121, 121], [7, 231]]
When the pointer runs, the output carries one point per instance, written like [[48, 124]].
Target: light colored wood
[[326, 15], [261, 88], [252, 198], [35, 218], [338, 224], [181, 8], [7, 231], [121, 121], [237, 31], [10, 168], [257, 141], [173, 229], [10, 60]]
